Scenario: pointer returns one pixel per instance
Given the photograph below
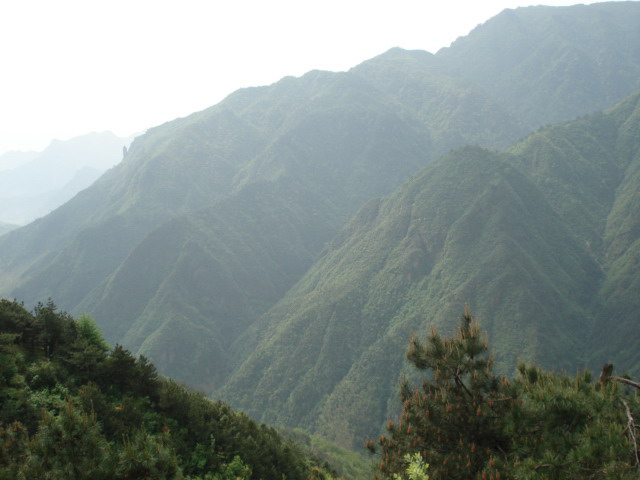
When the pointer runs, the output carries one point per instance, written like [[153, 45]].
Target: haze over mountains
[[510, 234], [35, 183], [224, 246]]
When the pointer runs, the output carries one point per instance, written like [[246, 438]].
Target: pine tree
[[13, 450], [467, 423], [455, 419], [69, 445], [572, 427], [147, 456]]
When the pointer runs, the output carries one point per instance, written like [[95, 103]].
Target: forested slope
[[210, 219], [548, 64], [307, 152], [73, 407], [523, 237]]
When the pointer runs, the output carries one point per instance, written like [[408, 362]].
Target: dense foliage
[[187, 251], [72, 407], [542, 241], [467, 422], [469, 227], [336, 140]]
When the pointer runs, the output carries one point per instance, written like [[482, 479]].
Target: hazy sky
[[69, 67]]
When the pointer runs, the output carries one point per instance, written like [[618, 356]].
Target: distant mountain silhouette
[[34, 184]]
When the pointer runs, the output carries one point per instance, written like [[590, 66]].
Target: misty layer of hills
[[33, 184], [246, 250]]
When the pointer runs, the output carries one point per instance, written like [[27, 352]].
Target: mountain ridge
[[211, 219], [476, 227]]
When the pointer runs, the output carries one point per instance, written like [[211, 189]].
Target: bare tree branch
[[627, 381], [631, 426]]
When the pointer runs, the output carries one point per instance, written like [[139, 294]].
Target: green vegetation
[[72, 407], [416, 469], [547, 64], [336, 139], [469, 227], [343, 463], [466, 422], [208, 249], [446, 104], [539, 240]]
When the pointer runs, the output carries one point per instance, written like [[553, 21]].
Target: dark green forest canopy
[[72, 407]]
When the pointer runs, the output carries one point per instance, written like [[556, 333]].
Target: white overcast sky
[[69, 67]]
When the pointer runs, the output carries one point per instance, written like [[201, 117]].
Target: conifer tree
[[467, 423], [69, 445], [147, 456], [13, 450], [73, 408], [454, 420], [572, 427]]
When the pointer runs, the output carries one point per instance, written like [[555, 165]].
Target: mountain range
[[35, 183], [533, 240], [276, 249]]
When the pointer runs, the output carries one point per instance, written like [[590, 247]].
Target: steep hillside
[[549, 64], [621, 289], [194, 284], [588, 170], [73, 407], [210, 219], [447, 104], [468, 229], [171, 169], [524, 238], [321, 145]]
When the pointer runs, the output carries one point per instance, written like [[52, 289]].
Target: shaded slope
[[621, 290], [137, 248], [171, 169], [194, 284], [541, 242], [579, 166], [588, 170], [217, 271], [469, 228], [336, 139], [346, 144]]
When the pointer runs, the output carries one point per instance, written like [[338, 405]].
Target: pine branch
[[460, 383]]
